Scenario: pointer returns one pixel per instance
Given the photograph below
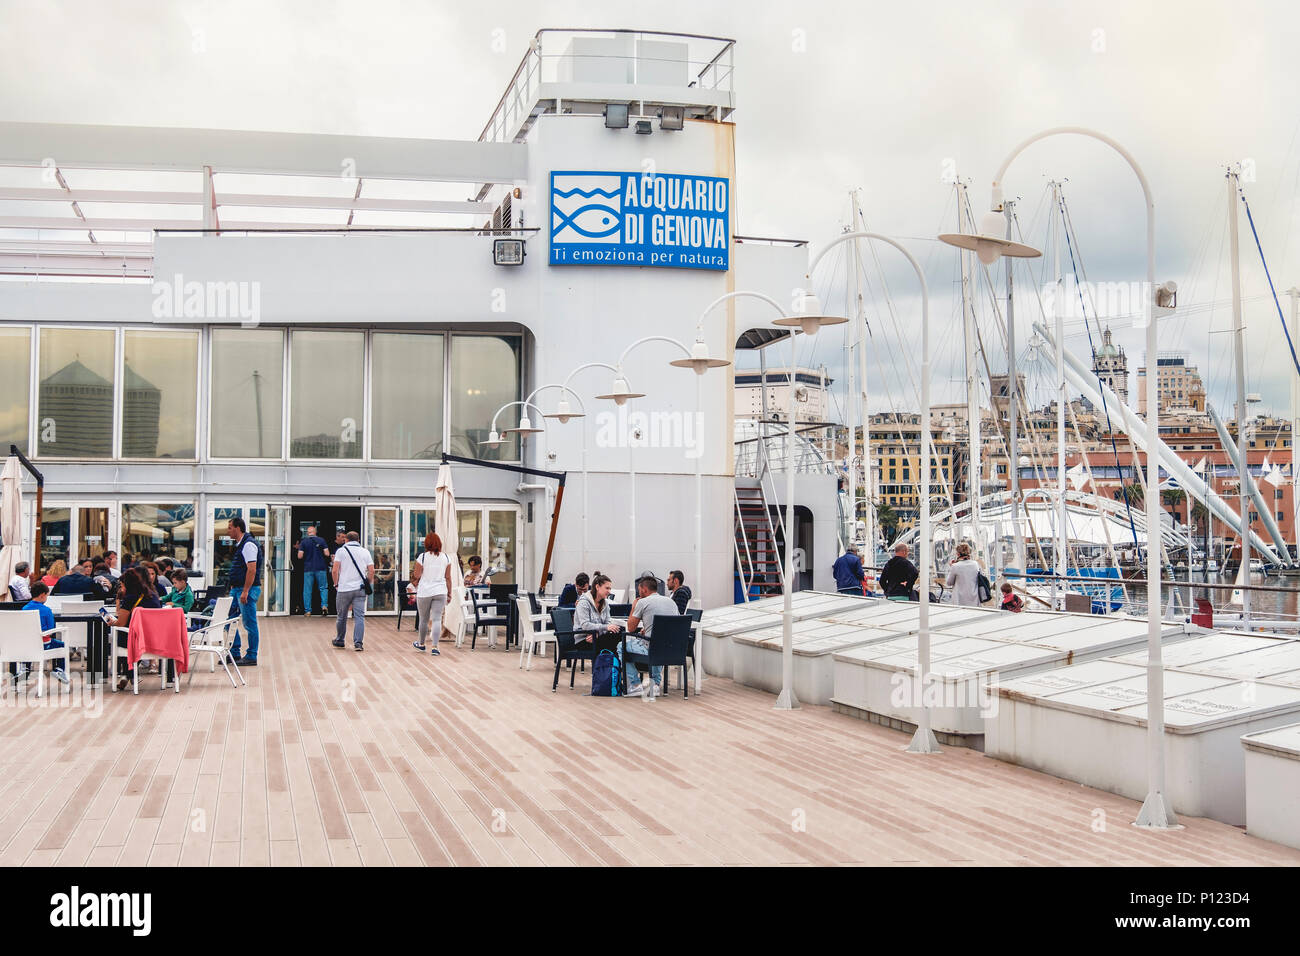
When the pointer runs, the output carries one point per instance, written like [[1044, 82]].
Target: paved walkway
[[388, 757]]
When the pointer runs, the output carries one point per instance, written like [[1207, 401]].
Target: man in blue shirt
[[40, 593], [313, 554], [848, 571]]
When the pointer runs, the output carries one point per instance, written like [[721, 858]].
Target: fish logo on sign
[[587, 208]]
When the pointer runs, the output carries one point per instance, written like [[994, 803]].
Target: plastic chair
[[120, 653], [532, 631], [212, 640], [567, 648], [670, 645], [23, 642], [488, 612]]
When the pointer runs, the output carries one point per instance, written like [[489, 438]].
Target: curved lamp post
[[923, 741], [1156, 812], [698, 359]]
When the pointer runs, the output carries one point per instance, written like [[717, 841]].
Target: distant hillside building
[[1110, 365]]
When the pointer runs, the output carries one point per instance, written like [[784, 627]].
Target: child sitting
[[40, 593], [181, 595], [1010, 599]]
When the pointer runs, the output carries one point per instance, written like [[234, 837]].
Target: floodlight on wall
[[643, 126], [672, 117], [508, 252], [616, 115]]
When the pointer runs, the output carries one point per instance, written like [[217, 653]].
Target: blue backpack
[[604, 675]]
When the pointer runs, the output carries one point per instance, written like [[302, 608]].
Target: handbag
[[365, 582]]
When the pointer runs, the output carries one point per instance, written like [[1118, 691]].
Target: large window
[[74, 404], [159, 531], [15, 387], [247, 393], [485, 375], [159, 393], [326, 402], [406, 396]]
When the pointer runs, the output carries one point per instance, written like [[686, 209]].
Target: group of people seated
[[142, 583], [589, 597]]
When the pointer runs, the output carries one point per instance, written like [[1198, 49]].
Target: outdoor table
[[97, 648]]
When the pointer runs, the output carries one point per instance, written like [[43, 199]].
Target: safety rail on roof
[[566, 70]]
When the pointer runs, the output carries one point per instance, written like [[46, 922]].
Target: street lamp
[[698, 359], [924, 740], [1156, 812]]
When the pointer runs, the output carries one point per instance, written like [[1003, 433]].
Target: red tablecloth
[[159, 631]]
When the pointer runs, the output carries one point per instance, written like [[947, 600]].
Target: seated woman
[[592, 613], [136, 592], [572, 592], [57, 570]]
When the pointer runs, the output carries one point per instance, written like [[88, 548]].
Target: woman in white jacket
[[963, 578]]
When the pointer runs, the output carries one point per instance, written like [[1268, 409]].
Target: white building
[[317, 319], [812, 386]]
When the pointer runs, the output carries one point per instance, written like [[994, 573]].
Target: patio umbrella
[[444, 518], [11, 520]]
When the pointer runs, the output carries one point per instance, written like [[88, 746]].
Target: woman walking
[[432, 579], [963, 578]]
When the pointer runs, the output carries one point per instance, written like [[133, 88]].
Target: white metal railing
[[709, 63]]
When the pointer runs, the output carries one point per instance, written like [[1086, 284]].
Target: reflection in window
[[485, 375], [501, 553], [247, 393], [159, 531], [15, 387], [406, 396], [74, 410], [327, 372], [159, 396]]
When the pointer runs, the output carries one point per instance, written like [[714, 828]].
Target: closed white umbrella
[[444, 517], [11, 521]]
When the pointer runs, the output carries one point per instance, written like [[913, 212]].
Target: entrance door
[[380, 539], [56, 535], [92, 533], [222, 545], [328, 520], [279, 562]]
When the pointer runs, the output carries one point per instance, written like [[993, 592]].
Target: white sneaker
[[61, 677], [636, 690]]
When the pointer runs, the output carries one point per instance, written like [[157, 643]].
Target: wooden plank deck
[[389, 757]]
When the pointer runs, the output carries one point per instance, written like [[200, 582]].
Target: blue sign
[[637, 219]]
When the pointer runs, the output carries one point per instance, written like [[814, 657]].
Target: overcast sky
[[832, 96]]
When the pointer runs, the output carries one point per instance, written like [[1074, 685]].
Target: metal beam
[[242, 151], [261, 200]]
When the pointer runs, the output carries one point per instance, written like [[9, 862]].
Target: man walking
[[354, 568], [245, 582], [848, 571], [313, 553]]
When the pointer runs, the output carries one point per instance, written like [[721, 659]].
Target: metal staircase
[[758, 558]]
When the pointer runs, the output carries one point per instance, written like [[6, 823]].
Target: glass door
[[469, 536], [92, 533], [56, 536], [279, 561], [380, 539], [222, 544], [503, 536]]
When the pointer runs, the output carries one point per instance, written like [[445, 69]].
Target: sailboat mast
[[1239, 361], [1058, 306], [860, 320], [1294, 293], [973, 454], [1013, 399], [852, 343]]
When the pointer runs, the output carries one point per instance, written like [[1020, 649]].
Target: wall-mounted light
[[643, 126], [616, 116], [672, 117], [508, 252]]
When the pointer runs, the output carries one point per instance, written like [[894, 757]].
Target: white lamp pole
[[563, 414], [1156, 812]]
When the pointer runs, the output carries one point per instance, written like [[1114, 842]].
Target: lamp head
[[620, 393], [987, 245], [493, 439], [807, 315], [699, 359], [525, 427], [563, 412]]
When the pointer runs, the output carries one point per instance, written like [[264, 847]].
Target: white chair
[[213, 641], [213, 634], [120, 654], [23, 642], [533, 629], [466, 598]]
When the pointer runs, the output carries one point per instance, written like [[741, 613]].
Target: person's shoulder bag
[[365, 581]]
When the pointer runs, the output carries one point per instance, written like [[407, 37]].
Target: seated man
[[680, 593], [20, 584], [77, 581], [898, 579], [475, 576], [649, 604], [569, 596], [40, 592]]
